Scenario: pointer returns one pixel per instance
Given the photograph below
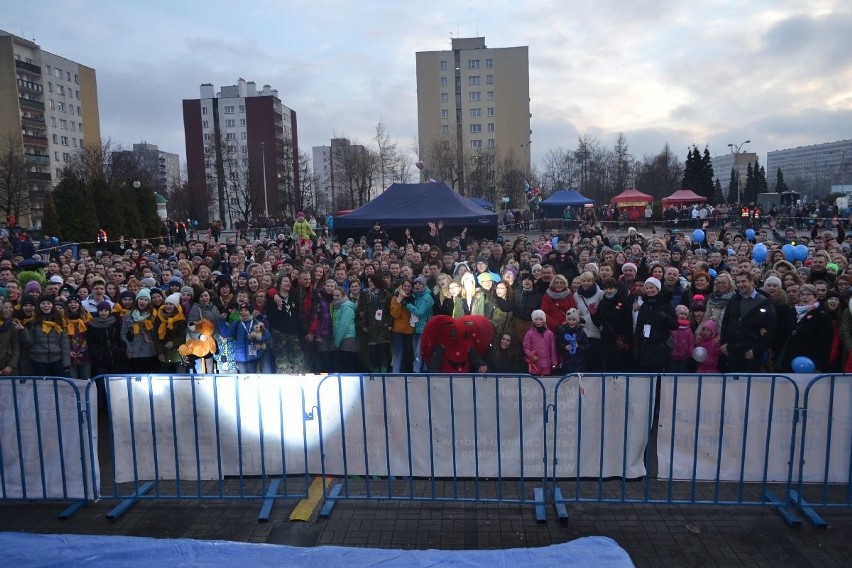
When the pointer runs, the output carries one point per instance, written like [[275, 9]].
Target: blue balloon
[[750, 234], [789, 252], [801, 252], [698, 236], [803, 365], [712, 273], [554, 241], [759, 252]]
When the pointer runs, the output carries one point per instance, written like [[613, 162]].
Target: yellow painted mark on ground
[[305, 508]]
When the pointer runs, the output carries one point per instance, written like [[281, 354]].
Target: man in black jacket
[[747, 327]]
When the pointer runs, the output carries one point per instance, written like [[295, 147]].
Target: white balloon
[[699, 354]]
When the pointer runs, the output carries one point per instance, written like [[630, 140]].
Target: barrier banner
[[44, 440]]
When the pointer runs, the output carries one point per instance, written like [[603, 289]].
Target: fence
[[516, 439]]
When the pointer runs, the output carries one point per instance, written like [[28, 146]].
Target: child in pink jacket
[[540, 346], [707, 336]]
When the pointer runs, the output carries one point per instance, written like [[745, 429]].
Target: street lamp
[[735, 150], [265, 198]]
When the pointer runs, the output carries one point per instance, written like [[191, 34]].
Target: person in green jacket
[[345, 354]]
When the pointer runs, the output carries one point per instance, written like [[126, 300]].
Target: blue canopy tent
[[553, 206], [413, 205], [482, 203]]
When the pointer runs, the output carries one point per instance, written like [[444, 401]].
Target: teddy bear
[[200, 342], [256, 334]]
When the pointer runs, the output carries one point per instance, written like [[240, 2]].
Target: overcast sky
[[714, 72]]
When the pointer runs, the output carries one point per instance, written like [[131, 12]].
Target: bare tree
[[243, 178], [14, 189], [560, 171], [659, 175], [622, 166], [443, 163], [358, 169]]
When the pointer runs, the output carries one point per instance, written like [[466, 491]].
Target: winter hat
[[28, 300], [300, 214], [572, 314], [56, 279], [149, 282], [484, 276], [186, 290], [173, 299], [156, 292], [699, 303], [421, 279], [104, 306], [128, 294], [655, 282], [538, 314], [628, 265], [512, 270], [772, 280], [176, 282], [144, 293], [32, 287]]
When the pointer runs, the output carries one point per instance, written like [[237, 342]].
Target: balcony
[[38, 176], [37, 158], [30, 140], [33, 122], [29, 67], [29, 103], [30, 86]]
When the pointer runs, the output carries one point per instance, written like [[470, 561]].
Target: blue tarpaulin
[[554, 205]]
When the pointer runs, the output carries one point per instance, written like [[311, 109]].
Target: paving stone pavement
[[671, 536]]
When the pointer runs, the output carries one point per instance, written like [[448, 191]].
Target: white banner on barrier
[[43, 454], [744, 417], [440, 426]]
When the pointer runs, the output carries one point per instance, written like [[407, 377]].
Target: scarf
[[75, 326], [118, 310], [168, 323], [558, 295], [803, 310], [102, 323], [47, 326], [505, 305], [593, 289], [146, 320]]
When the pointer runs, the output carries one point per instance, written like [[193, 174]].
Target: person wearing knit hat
[[772, 280], [143, 293], [655, 282], [654, 323], [33, 288], [173, 299], [539, 346]]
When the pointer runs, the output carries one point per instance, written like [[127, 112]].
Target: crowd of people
[[582, 301]]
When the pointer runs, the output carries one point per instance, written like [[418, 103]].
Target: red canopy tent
[[683, 197], [632, 203]]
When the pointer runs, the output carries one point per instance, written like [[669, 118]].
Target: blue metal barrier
[[44, 442], [434, 437], [824, 464], [711, 440], [205, 437]]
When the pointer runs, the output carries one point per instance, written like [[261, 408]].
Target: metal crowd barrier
[[516, 439], [434, 437], [823, 470], [205, 437], [45, 442], [709, 440]]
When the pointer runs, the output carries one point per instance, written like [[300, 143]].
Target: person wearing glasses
[[810, 332]]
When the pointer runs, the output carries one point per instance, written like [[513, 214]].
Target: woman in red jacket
[[556, 302]]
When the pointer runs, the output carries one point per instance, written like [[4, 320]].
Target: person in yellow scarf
[[171, 334], [77, 320], [140, 336], [50, 349], [124, 304]]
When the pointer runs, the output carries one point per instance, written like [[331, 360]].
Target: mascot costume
[[456, 345]]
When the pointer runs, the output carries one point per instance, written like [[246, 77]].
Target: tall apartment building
[[335, 166], [473, 110], [724, 164], [812, 170], [162, 168], [48, 110], [242, 153]]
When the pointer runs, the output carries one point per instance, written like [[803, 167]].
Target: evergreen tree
[[780, 185], [733, 186], [79, 221], [762, 185], [706, 186], [749, 192], [718, 194]]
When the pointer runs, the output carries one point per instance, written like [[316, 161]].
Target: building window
[[74, 142], [242, 108], [242, 122], [61, 90], [489, 63], [490, 111], [492, 143], [444, 65], [490, 127], [80, 125], [475, 128], [64, 140], [60, 106], [206, 137], [50, 104], [443, 81], [203, 110], [49, 87], [57, 73], [49, 70], [475, 112], [473, 80], [204, 124], [474, 96], [231, 136], [473, 64], [476, 144], [53, 121], [445, 98], [244, 148], [56, 154], [445, 130], [229, 123], [71, 109], [445, 113], [229, 109], [490, 95], [63, 124], [68, 75], [76, 78], [243, 135], [56, 138], [78, 95], [489, 79], [79, 111]]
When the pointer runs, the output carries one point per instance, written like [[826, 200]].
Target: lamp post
[[735, 150], [265, 198]]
